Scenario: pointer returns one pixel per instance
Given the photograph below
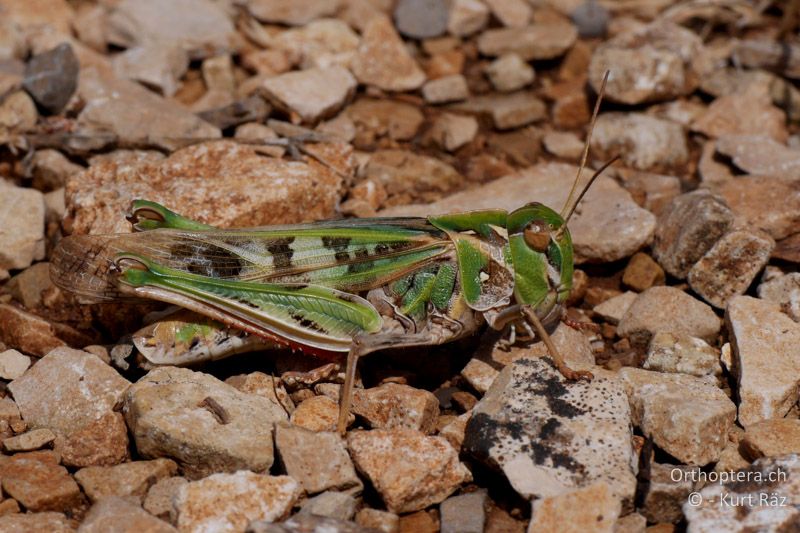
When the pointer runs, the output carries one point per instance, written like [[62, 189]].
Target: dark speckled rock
[[550, 436]]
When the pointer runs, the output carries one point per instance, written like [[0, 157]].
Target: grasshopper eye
[[537, 236]]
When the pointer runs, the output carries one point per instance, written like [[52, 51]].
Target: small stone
[[446, 89], [759, 154], [27, 332], [82, 392], [421, 19], [668, 489], [332, 504], [591, 19], [153, 65], [683, 354], [321, 43], [454, 432], [200, 27], [407, 176], [659, 61], [305, 523], [591, 508], [479, 374], [383, 521], [119, 514], [378, 118], [52, 77], [318, 413], [27, 286], [451, 131], [749, 112], [563, 144], [9, 506], [291, 12], [393, 405], [689, 228], [202, 423], [730, 266], [445, 62], [29, 441], [586, 416], [607, 211], [467, 17], [38, 483], [570, 104], [534, 42], [667, 309], [613, 309], [48, 521], [766, 358], [9, 412], [764, 202], [642, 273], [784, 291], [686, 416], [654, 192], [51, 169], [131, 113], [383, 61], [419, 522], [631, 523], [126, 479], [312, 94], [510, 72], [465, 513], [264, 385], [13, 364], [766, 502], [158, 501], [643, 141], [22, 220], [508, 111], [408, 469], [229, 502], [771, 438], [511, 13], [317, 460], [273, 190]]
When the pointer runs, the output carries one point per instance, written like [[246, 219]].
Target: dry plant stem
[[555, 355]]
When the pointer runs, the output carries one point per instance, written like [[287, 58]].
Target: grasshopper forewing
[[342, 286]]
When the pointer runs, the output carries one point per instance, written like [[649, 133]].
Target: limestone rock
[[200, 422], [22, 223], [312, 94], [613, 309], [747, 112], [291, 12], [451, 131], [383, 61], [689, 228], [276, 191], [530, 402], [591, 508], [507, 111], [153, 65], [51, 522], [13, 364], [126, 479], [29, 441], [511, 13], [667, 309], [642, 273], [318, 413], [407, 176], [320, 43], [730, 266], [465, 513], [467, 17], [644, 142], [445, 89], [659, 61], [408, 469], [764, 202], [771, 438], [610, 225], [38, 482], [331, 504], [686, 416], [82, 393], [759, 154], [784, 291], [229, 502], [120, 515], [158, 501], [393, 405], [510, 72], [533, 42], [682, 354], [383, 521], [668, 489], [317, 460], [766, 351]]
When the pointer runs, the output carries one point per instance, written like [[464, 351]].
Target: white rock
[[445, 89], [510, 72], [312, 94], [467, 17], [13, 364], [644, 142], [21, 226], [451, 131], [613, 309]]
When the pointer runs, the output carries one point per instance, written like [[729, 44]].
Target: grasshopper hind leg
[[555, 355]]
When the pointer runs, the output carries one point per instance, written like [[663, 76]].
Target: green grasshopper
[[343, 286]]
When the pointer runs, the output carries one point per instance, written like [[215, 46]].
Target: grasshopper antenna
[[586, 189], [585, 155]]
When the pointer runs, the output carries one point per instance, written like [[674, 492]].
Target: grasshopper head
[[541, 251]]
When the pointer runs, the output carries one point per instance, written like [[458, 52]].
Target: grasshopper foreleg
[[555, 355]]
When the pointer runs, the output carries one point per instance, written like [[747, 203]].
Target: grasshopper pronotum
[[344, 286]]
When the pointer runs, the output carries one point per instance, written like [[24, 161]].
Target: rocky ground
[[254, 112]]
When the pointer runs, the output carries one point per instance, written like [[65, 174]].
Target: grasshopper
[[344, 286]]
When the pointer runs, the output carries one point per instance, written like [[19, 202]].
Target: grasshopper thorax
[[540, 246]]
